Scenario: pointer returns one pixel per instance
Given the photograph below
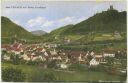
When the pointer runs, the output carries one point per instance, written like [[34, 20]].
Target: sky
[[51, 15]]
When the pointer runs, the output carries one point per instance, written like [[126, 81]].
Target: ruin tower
[[111, 7]]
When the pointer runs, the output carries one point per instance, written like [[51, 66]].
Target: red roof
[[33, 46], [39, 49], [15, 45], [5, 46], [16, 49], [76, 53]]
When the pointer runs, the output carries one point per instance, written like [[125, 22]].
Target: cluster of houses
[[47, 52]]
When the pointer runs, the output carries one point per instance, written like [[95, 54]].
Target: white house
[[92, 53], [59, 58], [16, 52], [25, 57], [63, 66], [6, 58], [66, 60], [108, 55], [93, 62], [43, 50], [80, 58], [42, 58], [87, 53], [35, 58], [117, 35], [45, 53], [53, 52]]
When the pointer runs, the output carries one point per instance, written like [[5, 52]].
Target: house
[[63, 66], [26, 57], [67, 40], [3, 49], [45, 53], [67, 60], [100, 58], [16, 52], [59, 58], [53, 52], [92, 53], [34, 58], [16, 48], [80, 58], [43, 50], [108, 55], [56, 58], [38, 58], [87, 53], [117, 35], [42, 58], [94, 62], [6, 57]]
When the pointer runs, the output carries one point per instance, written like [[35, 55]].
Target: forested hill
[[9, 30], [106, 21]]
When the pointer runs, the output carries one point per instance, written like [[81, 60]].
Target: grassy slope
[[104, 22], [35, 73], [60, 31], [10, 29], [103, 25]]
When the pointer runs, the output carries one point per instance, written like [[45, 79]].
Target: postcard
[[64, 41]]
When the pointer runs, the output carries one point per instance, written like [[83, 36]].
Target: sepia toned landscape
[[92, 50]]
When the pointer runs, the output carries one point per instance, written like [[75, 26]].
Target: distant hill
[[38, 32], [9, 30]]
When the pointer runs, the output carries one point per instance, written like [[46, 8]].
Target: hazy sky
[[54, 14]]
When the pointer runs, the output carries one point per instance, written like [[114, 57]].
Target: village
[[44, 53]]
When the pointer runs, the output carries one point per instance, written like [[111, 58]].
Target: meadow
[[37, 74]]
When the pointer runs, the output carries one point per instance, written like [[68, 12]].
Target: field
[[35, 73]]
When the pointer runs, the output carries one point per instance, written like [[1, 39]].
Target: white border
[[60, 0], [0, 41]]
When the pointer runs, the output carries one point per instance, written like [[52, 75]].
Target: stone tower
[[111, 7]]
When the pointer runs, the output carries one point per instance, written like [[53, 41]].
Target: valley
[[92, 50]]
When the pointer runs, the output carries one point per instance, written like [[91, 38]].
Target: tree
[[11, 74], [4, 52], [111, 67], [15, 59], [49, 76], [44, 76], [109, 60], [52, 64], [123, 63]]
